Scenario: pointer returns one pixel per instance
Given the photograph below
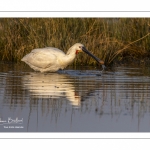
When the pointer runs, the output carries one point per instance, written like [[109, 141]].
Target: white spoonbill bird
[[50, 59]]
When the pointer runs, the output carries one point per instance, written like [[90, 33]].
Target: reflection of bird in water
[[51, 86], [52, 59]]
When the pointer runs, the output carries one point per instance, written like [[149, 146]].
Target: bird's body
[[52, 59], [46, 59]]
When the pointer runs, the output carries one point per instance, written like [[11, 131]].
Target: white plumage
[[52, 59]]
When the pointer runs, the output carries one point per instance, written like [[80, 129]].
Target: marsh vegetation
[[114, 40]]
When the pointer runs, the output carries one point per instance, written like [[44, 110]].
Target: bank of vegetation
[[114, 40]]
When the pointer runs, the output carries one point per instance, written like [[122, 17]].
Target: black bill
[[94, 57]]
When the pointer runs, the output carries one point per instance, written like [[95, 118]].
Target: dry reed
[[111, 39]]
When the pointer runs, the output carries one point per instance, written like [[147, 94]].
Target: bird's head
[[78, 47], [81, 48]]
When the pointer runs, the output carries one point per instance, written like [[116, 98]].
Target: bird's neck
[[67, 60]]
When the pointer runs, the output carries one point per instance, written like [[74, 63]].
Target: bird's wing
[[43, 58]]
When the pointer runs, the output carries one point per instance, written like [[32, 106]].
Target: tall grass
[[111, 39]]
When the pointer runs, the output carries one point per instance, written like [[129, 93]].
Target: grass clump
[[111, 39]]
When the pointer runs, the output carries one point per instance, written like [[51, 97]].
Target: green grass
[[111, 39]]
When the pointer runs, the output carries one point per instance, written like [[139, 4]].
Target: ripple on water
[[71, 100]]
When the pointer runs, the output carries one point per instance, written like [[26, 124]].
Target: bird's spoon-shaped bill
[[94, 57]]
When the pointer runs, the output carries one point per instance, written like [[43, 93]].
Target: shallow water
[[75, 100]]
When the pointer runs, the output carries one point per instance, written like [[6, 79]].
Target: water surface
[[75, 100]]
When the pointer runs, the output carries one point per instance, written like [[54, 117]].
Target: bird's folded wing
[[40, 59]]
